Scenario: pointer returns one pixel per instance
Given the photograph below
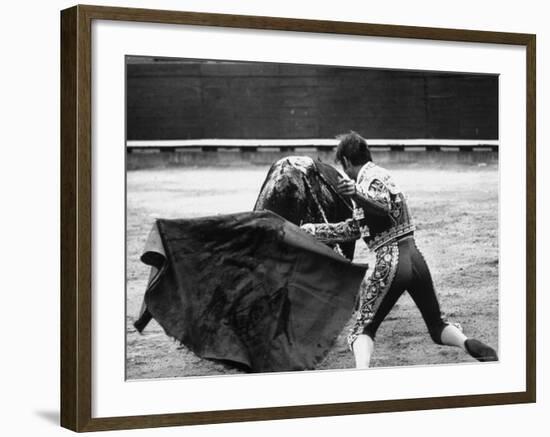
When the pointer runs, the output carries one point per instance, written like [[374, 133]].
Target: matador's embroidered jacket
[[382, 214], [386, 213]]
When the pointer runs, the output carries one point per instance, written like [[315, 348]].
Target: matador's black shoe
[[480, 351]]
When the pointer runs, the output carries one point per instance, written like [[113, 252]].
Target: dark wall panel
[[193, 100]]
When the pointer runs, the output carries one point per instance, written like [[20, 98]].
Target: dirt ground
[[455, 207]]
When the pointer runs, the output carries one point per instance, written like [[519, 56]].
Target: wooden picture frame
[[76, 217]]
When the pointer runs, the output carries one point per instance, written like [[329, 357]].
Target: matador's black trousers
[[399, 267]]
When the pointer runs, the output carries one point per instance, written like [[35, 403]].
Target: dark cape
[[251, 289]]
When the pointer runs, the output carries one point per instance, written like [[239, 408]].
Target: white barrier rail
[[315, 143]]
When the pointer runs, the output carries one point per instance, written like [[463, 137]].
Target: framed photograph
[[268, 218]]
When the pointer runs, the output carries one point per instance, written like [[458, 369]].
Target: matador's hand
[[309, 228], [346, 187]]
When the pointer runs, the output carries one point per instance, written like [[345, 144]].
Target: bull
[[301, 190]]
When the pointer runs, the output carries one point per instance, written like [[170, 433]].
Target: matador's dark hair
[[354, 147]]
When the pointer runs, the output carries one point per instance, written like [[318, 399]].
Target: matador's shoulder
[[373, 176]]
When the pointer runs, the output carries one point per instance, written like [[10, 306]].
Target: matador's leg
[[423, 293], [383, 288]]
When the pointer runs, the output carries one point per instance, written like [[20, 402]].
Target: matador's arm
[[341, 232], [372, 200], [369, 204]]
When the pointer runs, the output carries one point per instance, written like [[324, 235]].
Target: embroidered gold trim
[[377, 286], [390, 235]]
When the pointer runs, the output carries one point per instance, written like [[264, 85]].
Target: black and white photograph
[[275, 218], [291, 217]]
